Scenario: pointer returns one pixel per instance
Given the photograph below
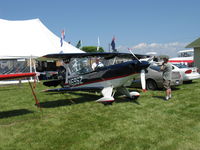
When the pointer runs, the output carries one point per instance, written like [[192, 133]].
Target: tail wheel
[[151, 85]]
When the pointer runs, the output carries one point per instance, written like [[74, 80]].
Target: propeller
[[143, 80], [142, 74]]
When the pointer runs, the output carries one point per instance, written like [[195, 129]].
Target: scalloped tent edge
[[30, 38]]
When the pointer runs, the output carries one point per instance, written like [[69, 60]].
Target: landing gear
[[134, 97], [130, 95]]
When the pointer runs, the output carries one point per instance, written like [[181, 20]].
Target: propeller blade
[[143, 81]]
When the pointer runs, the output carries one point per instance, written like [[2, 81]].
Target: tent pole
[[34, 66], [31, 66]]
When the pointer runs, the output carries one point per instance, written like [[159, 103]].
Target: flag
[[98, 44], [61, 42], [129, 49], [62, 37], [79, 44], [113, 44]]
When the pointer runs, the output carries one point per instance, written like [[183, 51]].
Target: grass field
[[76, 122]]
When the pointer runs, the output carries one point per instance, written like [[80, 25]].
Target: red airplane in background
[[21, 76], [16, 76]]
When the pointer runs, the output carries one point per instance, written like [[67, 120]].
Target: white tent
[[30, 38]]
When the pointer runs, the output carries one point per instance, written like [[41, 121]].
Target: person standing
[[167, 75]]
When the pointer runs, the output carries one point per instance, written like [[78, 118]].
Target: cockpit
[[85, 65]]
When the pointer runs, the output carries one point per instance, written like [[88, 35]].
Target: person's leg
[[170, 93], [167, 94], [168, 89]]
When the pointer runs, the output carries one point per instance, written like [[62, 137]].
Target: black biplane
[[112, 73]]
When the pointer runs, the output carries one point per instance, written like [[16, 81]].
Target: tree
[[92, 49], [163, 56]]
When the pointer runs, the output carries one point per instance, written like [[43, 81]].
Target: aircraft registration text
[[75, 81]]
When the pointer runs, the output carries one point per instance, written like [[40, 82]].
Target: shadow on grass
[[83, 97], [125, 100], [13, 113], [175, 89], [159, 97], [7, 89], [190, 82], [56, 103]]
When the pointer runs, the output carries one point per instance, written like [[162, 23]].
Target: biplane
[[113, 72]]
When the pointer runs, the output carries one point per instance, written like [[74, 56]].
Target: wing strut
[[37, 103]]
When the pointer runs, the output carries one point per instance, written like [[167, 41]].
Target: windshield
[[186, 54], [89, 64], [79, 65]]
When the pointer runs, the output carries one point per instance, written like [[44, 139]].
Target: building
[[196, 45]]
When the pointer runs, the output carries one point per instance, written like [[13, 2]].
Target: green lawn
[[76, 122]]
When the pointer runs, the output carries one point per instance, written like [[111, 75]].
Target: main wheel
[[135, 97], [151, 85]]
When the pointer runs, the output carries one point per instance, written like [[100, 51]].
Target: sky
[[162, 26]]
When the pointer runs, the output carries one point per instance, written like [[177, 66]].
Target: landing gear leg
[[130, 95]]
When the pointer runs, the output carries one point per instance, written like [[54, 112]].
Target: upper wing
[[106, 55], [15, 76]]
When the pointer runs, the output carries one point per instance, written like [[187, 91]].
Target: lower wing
[[68, 89]]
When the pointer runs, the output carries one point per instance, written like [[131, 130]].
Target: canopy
[[30, 38]]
